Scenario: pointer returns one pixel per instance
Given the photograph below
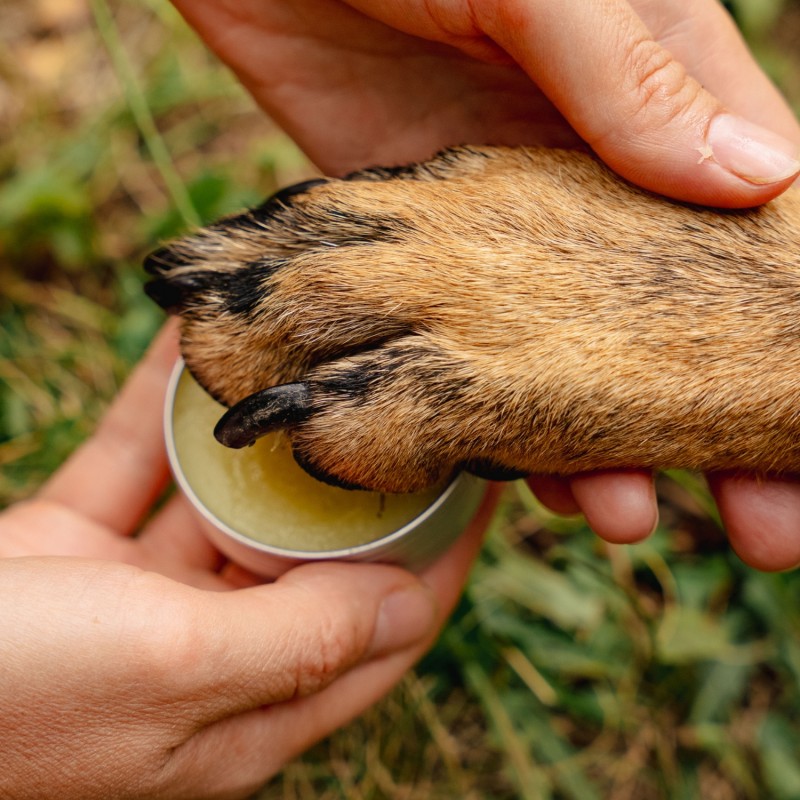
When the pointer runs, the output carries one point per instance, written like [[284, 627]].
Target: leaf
[[542, 590], [688, 634], [720, 688], [779, 748]]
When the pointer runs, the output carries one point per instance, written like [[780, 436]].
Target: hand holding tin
[[173, 672]]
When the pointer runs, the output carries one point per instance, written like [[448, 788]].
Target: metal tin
[[414, 546]]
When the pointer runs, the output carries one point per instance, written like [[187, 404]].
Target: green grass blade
[[142, 115]]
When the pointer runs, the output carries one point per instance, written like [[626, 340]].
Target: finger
[[269, 644], [115, 476], [244, 750], [762, 518], [620, 507], [43, 528], [554, 492], [702, 35], [637, 106], [174, 539], [319, 619]]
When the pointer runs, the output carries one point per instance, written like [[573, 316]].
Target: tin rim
[[305, 555]]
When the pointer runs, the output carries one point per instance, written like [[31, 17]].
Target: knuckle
[[658, 93], [332, 648], [661, 86]]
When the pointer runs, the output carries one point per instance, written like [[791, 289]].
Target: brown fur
[[522, 308]]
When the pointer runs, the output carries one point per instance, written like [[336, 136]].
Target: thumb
[[293, 637], [268, 644], [636, 105], [261, 648]]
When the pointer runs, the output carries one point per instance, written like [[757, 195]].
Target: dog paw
[[506, 311], [394, 417], [267, 294], [316, 312]]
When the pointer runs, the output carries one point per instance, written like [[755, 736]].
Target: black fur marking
[[354, 383], [449, 158], [283, 196], [343, 227], [323, 477], [319, 225], [491, 471], [163, 260], [263, 412], [174, 293], [246, 288], [434, 377], [240, 292], [384, 173]]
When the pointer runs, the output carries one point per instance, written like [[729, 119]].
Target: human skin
[[664, 91], [131, 666], [146, 666]]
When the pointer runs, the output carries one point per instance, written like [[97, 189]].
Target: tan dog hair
[[520, 310]]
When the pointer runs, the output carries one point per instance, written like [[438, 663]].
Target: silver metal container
[[414, 545]]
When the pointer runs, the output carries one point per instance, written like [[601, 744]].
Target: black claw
[[173, 293], [263, 412], [491, 471]]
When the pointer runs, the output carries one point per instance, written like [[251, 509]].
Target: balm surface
[[262, 493]]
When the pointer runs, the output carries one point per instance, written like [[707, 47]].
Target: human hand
[[148, 667], [371, 82], [664, 91]]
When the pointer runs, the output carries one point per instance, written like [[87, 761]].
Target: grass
[[571, 669]]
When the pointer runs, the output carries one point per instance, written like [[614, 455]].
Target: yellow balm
[[263, 494]]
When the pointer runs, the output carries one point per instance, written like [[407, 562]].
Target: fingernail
[[405, 617], [749, 151]]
